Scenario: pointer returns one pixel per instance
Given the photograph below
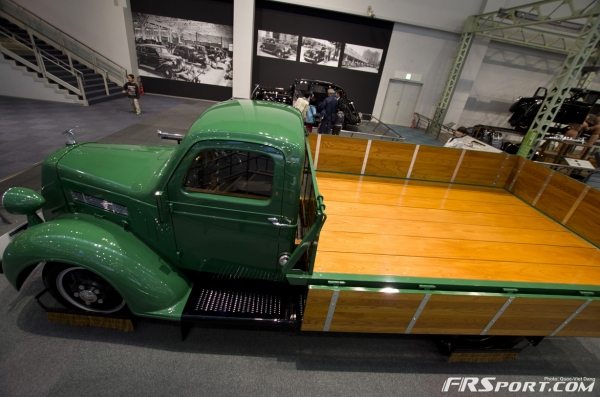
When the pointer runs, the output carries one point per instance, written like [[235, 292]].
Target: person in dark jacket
[[132, 91], [327, 109]]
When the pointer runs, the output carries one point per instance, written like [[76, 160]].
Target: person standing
[[132, 91], [327, 109]]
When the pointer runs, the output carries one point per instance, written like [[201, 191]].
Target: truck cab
[[138, 226]]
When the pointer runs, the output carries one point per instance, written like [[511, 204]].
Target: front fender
[[150, 286]]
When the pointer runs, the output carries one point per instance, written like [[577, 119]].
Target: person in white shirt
[[457, 141]]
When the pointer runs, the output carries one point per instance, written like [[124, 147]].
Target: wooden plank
[[434, 229], [481, 168], [317, 306], [361, 311], [507, 171], [534, 316], [586, 218], [587, 323], [435, 163], [559, 195], [457, 248], [457, 314], [529, 181], [394, 213], [390, 159], [341, 154], [444, 269], [334, 194], [413, 188], [312, 141]]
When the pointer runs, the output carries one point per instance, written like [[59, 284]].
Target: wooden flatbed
[[429, 240], [382, 226]]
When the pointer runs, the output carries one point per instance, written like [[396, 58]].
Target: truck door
[[225, 200]]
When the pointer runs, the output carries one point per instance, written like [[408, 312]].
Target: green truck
[[230, 225]]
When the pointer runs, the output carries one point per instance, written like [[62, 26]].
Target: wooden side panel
[[529, 181], [558, 197], [457, 314], [340, 154], [315, 312], [312, 141], [586, 218], [481, 168], [507, 171], [358, 311], [587, 323], [390, 159], [534, 316], [435, 163]]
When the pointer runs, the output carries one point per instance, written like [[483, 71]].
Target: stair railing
[[14, 47], [110, 70]]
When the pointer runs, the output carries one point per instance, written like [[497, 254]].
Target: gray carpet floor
[[40, 358]]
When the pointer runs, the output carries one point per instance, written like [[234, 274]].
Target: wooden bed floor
[[380, 226]]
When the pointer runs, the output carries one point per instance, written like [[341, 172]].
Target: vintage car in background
[[157, 58], [314, 56], [573, 110], [275, 47], [299, 87], [192, 54]]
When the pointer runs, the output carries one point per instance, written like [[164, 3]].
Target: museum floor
[[40, 358]]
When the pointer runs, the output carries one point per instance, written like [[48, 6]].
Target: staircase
[[74, 76]]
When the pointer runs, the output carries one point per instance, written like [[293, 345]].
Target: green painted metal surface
[[150, 286], [445, 284]]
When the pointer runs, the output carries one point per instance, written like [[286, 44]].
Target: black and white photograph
[[320, 52], [277, 45], [185, 50], [364, 59]]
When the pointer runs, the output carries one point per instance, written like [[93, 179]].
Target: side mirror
[[23, 201]]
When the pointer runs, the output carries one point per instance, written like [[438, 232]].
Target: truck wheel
[[79, 288]]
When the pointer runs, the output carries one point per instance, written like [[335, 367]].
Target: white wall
[[99, 24], [421, 52], [506, 73], [435, 14]]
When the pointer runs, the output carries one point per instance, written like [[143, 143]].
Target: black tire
[[80, 289]]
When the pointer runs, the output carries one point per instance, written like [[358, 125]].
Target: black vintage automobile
[[192, 54], [312, 55], [275, 47], [157, 58], [573, 110], [299, 87]]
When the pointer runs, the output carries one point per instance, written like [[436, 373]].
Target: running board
[[245, 302]]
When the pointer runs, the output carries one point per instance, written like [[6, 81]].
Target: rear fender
[[150, 286]]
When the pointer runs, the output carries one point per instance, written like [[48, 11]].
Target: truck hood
[[131, 170]]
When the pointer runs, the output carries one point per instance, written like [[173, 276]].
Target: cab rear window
[[231, 172]]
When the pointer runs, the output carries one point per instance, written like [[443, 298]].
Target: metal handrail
[[387, 130], [11, 46], [70, 46]]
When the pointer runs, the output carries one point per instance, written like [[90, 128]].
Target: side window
[[231, 172]]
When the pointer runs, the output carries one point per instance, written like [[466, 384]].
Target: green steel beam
[[555, 13], [435, 125], [516, 25], [559, 88]]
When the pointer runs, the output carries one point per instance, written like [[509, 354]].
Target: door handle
[[275, 221]]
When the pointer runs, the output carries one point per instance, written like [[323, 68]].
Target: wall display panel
[[185, 47], [321, 28], [277, 45], [321, 52], [364, 59]]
